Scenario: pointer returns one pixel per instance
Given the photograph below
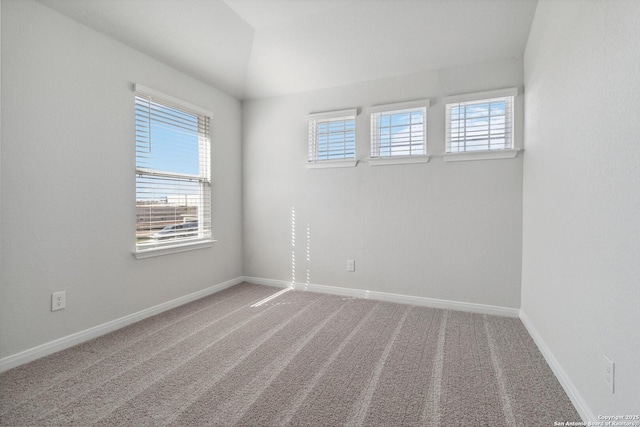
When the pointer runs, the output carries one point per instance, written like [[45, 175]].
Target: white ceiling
[[260, 48]]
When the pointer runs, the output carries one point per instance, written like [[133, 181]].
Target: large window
[[332, 138], [481, 122], [173, 172], [399, 132]]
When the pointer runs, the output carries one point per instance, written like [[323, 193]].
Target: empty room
[[320, 212]]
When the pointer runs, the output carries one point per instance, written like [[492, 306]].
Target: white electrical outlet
[[58, 300], [609, 372], [351, 265]]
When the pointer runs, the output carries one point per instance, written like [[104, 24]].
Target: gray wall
[[438, 230], [581, 232], [68, 182]]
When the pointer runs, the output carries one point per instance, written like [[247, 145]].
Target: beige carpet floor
[[301, 359]]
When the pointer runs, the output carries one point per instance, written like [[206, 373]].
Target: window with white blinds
[[173, 171], [480, 122], [332, 136], [399, 130]]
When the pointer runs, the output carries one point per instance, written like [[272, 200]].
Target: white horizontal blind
[[479, 125], [173, 176], [399, 133], [332, 138]]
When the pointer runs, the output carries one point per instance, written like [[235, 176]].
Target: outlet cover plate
[[351, 265], [609, 369], [58, 300]]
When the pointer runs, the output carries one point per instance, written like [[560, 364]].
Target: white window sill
[[480, 155], [166, 250], [349, 163], [399, 160]]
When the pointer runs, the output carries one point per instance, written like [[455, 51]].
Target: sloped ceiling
[[262, 48]]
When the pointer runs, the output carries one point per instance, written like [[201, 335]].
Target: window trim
[[342, 163], [315, 163], [398, 160], [138, 88], [481, 155], [180, 246], [489, 154], [173, 249], [391, 108]]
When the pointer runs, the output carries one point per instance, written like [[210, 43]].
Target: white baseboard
[[385, 296], [581, 406], [82, 336]]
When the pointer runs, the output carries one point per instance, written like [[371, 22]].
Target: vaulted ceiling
[[261, 48]]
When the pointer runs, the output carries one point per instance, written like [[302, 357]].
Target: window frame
[[313, 121], [376, 112], [479, 97], [203, 178]]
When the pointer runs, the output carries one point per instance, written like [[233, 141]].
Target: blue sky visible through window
[[168, 141], [336, 139], [401, 134]]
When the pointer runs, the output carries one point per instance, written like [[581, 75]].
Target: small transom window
[[332, 136], [399, 130], [480, 122]]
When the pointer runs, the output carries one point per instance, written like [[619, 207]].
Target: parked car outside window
[[187, 229]]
